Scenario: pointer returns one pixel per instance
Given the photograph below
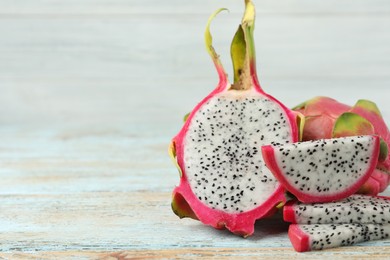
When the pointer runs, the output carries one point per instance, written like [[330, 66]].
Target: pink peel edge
[[288, 212], [298, 238], [238, 223]]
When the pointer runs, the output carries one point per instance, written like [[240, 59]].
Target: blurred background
[[127, 62]]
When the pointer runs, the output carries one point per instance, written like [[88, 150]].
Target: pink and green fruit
[[238, 153]]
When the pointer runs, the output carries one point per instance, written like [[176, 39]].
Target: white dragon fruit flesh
[[307, 237], [363, 209], [224, 182], [323, 170]]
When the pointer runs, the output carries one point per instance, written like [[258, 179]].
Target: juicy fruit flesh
[[354, 209], [320, 170], [318, 237], [222, 157]]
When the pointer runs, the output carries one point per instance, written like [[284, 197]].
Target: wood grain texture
[[92, 91], [355, 252]]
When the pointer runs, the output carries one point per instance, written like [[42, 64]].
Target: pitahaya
[[327, 118], [357, 208], [223, 179], [323, 170], [320, 236]]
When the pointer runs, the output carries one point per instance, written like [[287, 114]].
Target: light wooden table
[[92, 91]]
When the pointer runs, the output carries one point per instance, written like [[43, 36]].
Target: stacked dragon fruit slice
[[343, 220], [352, 220], [325, 174]]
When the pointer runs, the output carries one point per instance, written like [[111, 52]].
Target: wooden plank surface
[[92, 91]]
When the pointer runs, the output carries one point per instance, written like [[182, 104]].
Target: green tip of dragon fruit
[[384, 150], [185, 117], [181, 208], [368, 106], [350, 124], [172, 155]]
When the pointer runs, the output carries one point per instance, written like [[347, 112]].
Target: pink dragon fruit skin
[[322, 113]]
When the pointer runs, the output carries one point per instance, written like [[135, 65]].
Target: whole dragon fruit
[[328, 118], [223, 179]]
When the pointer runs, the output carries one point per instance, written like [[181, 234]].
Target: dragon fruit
[[327, 118], [305, 237], [223, 179], [323, 170], [357, 208]]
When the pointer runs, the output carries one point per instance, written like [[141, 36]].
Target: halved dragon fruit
[[327, 118], [224, 181], [323, 170], [320, 236], [362, 209]]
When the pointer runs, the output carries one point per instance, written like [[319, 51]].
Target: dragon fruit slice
[[327, 118], [357, 208], [320, 236], [323, 170], [223, 178]]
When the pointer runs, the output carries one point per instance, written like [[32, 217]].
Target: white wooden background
[[91, 91]]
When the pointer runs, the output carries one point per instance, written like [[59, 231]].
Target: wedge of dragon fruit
[[327, 118], [323, 170], [223, 178], [306, 237], [362, 209]]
